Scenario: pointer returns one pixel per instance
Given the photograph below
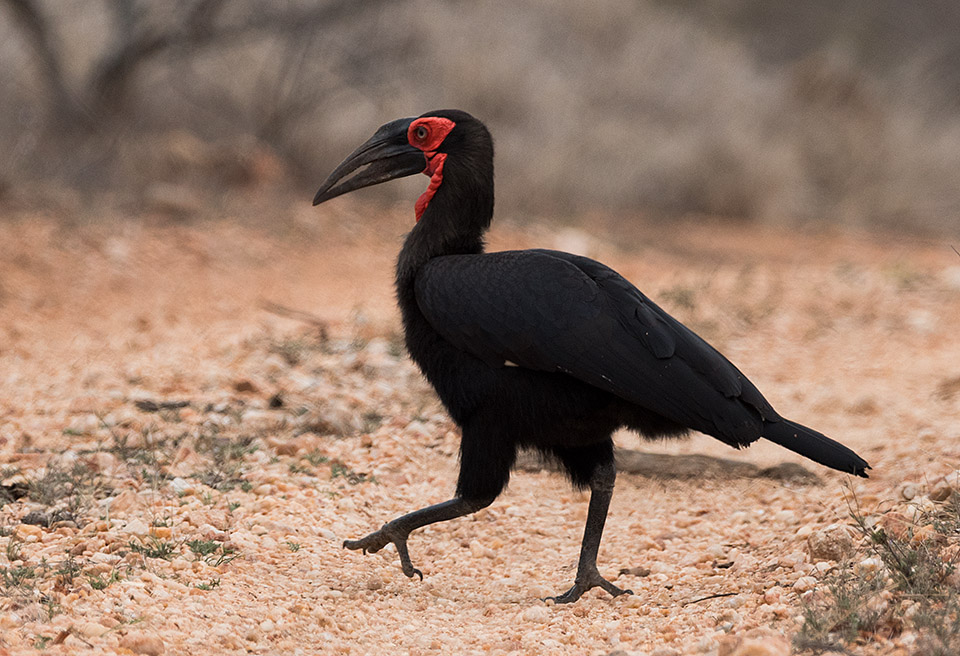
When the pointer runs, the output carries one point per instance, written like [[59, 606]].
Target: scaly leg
[[399, 529], [588, 576]]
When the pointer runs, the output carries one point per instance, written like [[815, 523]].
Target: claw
[[584, 583], [379, 539]]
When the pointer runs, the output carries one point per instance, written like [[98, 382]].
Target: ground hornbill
[[541, 349]]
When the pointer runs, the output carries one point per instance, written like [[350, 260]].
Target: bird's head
[[442, 144]]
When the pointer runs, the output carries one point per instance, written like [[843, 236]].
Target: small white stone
[[805, 583], [786, 516], [179, 486], [951, 277], [908, 491], [327, 534], [835, 542], [480, 551], [805, 530], [136, 526], [730, 615], [871, 564], [9, 621], [91, 629], [538, 614], [716, 551], [772, 595], [665, 651], [105, 558]]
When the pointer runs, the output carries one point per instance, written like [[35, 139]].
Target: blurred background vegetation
[[840, 111]]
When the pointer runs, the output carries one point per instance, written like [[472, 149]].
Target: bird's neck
[[422, 245], [454, 223]]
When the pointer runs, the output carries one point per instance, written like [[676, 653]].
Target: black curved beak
[[388, 154]]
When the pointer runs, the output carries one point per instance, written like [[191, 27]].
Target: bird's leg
[[588, 576], [399, 529]]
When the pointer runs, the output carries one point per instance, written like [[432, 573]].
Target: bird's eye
[[421, 133]]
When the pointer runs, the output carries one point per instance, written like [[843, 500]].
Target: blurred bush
[[844, 111]]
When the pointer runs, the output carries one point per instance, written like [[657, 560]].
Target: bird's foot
[[584, 582], [379, 539]]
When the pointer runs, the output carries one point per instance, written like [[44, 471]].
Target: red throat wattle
[[435, 171], [427, 134]]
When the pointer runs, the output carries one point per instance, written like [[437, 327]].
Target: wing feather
[[557, 312]]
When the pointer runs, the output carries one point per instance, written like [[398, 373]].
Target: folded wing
[[557, 312]]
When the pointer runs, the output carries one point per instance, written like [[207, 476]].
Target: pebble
[[136, 527], [897, 524], [805, 530], [161, 532], [804, 583], [665, 651], [179, 486], [918, 508], [716, 551], [835, 542], [29, 532], [101, 461], [480, 551], [953, 479], [105, 558], [539, 614], [261, 420], [730, 615], [92, 629], [941, 492], [124, 502], [283, 447], [268, 543], [772, 595], [759, 647], [9, 621], [786, 516], [327, 534], [141, 642]]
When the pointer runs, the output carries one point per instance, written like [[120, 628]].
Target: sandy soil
[[210, 452]]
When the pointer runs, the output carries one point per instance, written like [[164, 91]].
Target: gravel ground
[[195, 417]]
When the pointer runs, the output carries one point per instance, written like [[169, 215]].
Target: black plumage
[[542, 349]]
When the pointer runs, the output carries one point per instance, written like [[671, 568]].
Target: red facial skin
[[427, 134]]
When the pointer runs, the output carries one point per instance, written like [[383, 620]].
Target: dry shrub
[[769, 111]]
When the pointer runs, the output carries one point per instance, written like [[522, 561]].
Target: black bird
[[541, 349]]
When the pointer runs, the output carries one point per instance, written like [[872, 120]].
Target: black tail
[[816, 446]]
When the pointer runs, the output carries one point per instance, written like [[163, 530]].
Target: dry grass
[[904, 580]]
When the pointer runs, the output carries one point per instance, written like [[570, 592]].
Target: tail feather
[[816, 446]]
